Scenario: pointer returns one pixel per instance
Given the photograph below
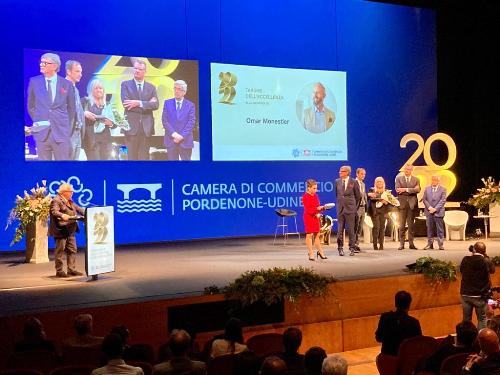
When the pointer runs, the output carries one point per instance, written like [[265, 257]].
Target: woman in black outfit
[[377, 210]]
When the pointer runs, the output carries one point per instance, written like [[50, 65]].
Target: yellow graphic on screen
[[425, 172], [101, 221], [226, 88]]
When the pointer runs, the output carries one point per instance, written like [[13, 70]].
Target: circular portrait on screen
[[316, 107]]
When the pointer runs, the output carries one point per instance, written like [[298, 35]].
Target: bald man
[[488, 361], [318, 118]]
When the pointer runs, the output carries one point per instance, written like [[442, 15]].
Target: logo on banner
[[82, 195], [101, 221], [226, 88], [138, 205]]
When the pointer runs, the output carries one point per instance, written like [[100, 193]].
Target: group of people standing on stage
[[64, 123], [354, 202]]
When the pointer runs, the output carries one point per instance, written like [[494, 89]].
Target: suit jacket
[[347, 200], [408, 199], [436, 200], [182, 124], [61, 112], [140, 116], [59, 228], [309, 118]]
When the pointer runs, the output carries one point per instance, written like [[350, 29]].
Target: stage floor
[[151, 272]]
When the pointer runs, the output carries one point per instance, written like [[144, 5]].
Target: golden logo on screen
[[226, 88], [100, 227], [425, 172]]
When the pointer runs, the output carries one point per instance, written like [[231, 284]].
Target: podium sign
[[100, 232]]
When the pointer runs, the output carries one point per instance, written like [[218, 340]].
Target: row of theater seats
[[413, 350]]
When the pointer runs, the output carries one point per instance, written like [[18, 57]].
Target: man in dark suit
[[74, 75], [407, 187], [63, 228], [348, 200], [434, 199], [396, 326], [178, 119], [360, 216], [488, 361], [139, 99], [51, 106]]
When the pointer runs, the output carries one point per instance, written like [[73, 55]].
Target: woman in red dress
[[312, 210]]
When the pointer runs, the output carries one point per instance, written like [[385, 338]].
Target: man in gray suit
[[139, 99], [348, 200], [318, 118], [74, 75], [407, 187], [51, 105], [434, 199]]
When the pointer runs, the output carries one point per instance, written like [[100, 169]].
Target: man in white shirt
[[112, 347]]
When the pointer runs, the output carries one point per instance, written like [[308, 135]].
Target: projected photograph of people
[[81, 106], [265, 113]]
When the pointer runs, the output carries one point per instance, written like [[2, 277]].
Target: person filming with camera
[[475, 286]]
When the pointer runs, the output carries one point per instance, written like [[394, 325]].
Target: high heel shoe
[[318, 254], [311, 259]]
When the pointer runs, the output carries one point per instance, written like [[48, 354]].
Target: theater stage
[[162, 271]]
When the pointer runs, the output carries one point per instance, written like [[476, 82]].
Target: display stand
[[100, 233]]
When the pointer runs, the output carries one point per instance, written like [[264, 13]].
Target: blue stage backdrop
[[386, 51]]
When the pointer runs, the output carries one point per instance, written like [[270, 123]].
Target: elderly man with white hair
[[178, 119], [63, 227], [334, 365], [51, 106], [434, 199]]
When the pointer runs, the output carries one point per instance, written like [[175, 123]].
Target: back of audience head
[[334, 365], [488, 341], [494, 324], [466, 333], [123, 332], [273, 365], [313, 360], [179, 342], [33, 329], [83, 324], [402, 300], [112, 346], [292, 339], [234, 330]]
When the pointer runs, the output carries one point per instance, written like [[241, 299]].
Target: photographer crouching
[[475, 286]]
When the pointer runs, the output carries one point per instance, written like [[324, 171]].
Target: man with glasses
[[63, 226], [51, 106], [139, 99]]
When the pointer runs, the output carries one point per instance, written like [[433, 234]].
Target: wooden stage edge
[[345, 320]]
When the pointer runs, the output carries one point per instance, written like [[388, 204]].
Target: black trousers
[[344, 219]]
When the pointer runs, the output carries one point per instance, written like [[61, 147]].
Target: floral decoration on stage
[[29, 208], [274, 285], [489, 194]]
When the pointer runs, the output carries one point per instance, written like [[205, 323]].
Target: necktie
[[407, 180], [345, 185], [178, 108], [139, 90], [79, 109], [434, 190], [49, 91]]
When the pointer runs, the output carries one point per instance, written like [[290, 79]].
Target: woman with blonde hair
[[99, 120], [377, 210], [312, 213]]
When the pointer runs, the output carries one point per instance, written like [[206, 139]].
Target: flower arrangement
[[387, 196], [274, 285], [121, 120], [29, 208], [489, 194]]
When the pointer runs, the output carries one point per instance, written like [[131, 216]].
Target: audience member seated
[[112, 347], [334, 365], [292, 339], [313, 360], [396, 326], [273, 366], [494, 324], [83, 337], [462, 343], [488, 361], [232, 343], [34, 337], [180, 343]]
